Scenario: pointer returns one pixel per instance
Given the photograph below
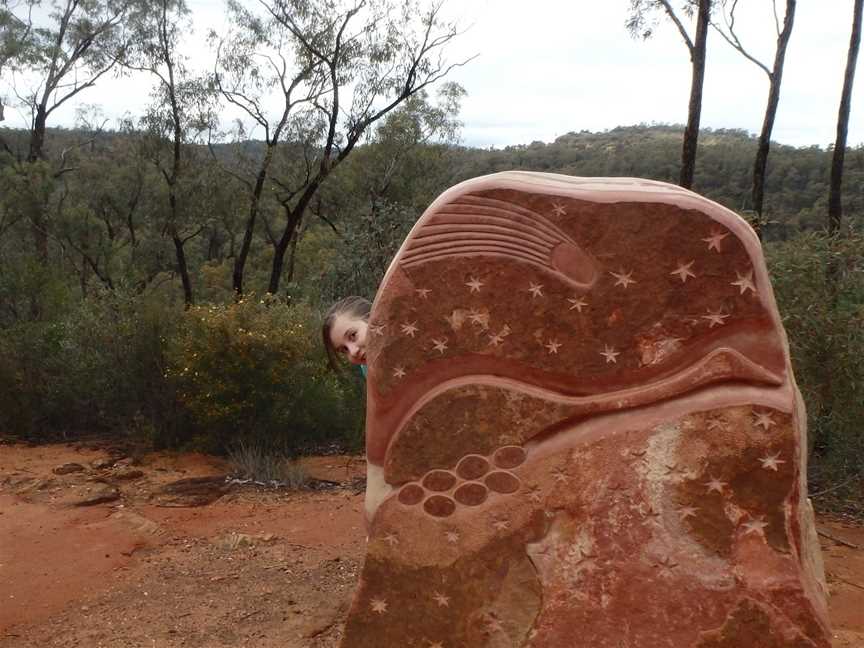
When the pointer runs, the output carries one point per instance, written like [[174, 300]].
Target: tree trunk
[[183, 269], [283, 244], [761, 162], [694, 112], [835, 210], [254, 204]]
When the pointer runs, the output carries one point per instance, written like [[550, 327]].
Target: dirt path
[[252, 568]]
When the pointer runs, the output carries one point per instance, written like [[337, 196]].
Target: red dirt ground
[[256, 568]]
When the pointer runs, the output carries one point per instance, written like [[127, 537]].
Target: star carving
[[423, 292], [687, 512], [495, 339], [684, 271], [623, 278], [745, 282], [558, 209], [398, 372], [718, 423], [474, 285], [715, 485], [553, 346], [771, 462], [534, 494], [501, 523], [377, 329], [756, 525], [714, 241], [493, 625], [610, 354], [715, 318], [440, 345], [477, 317], [651, 515], [764, 420], [536, 290], [410, 328], [441, 599], [379, 606], [666, 564], [577, 303], [392, 539], [560, 475], [452, 536]]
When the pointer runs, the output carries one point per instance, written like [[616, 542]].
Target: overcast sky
[[547, 67]]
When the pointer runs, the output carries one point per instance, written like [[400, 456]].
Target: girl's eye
[[352, 335]]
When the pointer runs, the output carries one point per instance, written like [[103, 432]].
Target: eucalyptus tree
[[835, 209], [641, 22], [177, 116], [337, 67], [16, 26], [727, 29], [56, 56]]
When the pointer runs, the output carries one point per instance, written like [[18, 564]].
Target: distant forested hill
[[797, 183]]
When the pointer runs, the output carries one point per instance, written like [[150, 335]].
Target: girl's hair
[[353, 306]]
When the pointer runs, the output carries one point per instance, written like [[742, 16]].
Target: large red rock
[[583, 429]]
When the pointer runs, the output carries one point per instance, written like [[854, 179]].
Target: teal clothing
[[363, 370]]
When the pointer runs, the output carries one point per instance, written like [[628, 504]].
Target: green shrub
[[824, 320], [253, 372]]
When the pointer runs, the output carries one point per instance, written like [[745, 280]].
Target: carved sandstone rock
[[583, 429]]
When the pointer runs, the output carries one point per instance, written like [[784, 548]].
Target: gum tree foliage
[[57, 50], [16, 25], [641, 23], [332, 69], [775, 78], [177, 116]]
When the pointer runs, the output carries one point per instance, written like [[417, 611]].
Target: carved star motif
[[410, 328], [379, 606], [666, 564], [714, 240], [440, 345], [622, 278], [717, 423], [673, 469], [441, 599], [452, 536], [756, 525], [687, 512], [423, 292], [560, 475], [398, 372], [477, 317], [639, 456], [558, 209], [534, 494], [578, 303], [764, 420], [715, 485], [501, 523], [715, 318], [553, 346], [772, 462], [496, 339], [493, 624], [745, 282], [610, 354], [651, 515], [536, 290], [586, 557], [377, 329], [392, 539], [475, 284], [684, 270]]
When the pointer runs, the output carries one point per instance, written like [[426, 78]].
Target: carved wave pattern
[[477, 226]]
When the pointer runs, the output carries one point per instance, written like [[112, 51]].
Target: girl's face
[[348, 337]]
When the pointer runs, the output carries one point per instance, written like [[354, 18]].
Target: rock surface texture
[[583, 429]]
